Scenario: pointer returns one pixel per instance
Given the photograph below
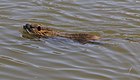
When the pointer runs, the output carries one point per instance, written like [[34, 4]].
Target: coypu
[[40, 31]]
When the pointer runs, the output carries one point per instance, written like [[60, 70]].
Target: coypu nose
[[27, 27]]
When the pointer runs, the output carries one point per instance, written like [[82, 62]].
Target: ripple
[[116, 57]]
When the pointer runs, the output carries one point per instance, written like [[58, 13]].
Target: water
[[117, 21]]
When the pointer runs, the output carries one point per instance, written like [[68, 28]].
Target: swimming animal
[[41, 31]]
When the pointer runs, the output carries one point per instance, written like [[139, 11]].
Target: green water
[[117, 21]]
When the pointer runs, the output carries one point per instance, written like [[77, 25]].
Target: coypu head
[[32, 28], [37, 30], [31, 31]]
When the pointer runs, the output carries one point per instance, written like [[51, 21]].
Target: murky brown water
[[117, 21]]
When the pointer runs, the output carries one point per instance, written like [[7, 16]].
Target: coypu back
[[81, 37]]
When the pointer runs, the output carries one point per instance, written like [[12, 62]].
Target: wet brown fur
[[42, 31]]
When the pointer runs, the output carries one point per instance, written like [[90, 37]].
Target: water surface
[[117, 21]]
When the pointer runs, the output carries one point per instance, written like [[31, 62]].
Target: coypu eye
[[38, 28]]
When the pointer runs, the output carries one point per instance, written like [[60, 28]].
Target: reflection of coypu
[[40, 32]]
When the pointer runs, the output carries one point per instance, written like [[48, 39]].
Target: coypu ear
[[38, 28]]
